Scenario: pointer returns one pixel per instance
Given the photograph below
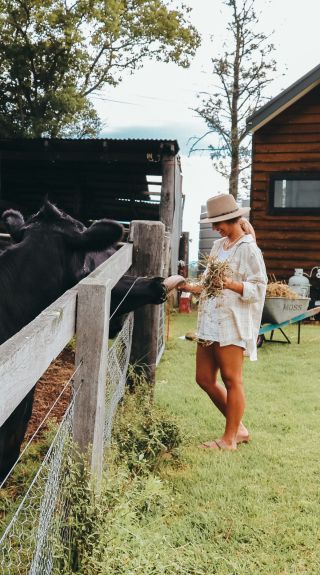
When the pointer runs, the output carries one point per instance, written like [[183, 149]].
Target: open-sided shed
[[90, 179], [285, 188]]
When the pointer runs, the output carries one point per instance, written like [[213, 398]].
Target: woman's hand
[[190, 287], [227, 283], [237, 287]]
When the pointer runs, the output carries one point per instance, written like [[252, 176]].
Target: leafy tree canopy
[[55, 53]]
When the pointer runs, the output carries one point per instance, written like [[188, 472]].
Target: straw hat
[[223, 207]]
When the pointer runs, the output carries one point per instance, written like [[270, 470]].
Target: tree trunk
[[234, 167]]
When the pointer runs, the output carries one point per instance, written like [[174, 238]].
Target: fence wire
[[25, 545], [35, 534], [117, 366]]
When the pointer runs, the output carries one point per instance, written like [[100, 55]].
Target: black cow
[[50, 253]]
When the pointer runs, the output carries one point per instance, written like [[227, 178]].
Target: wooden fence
[[84, 311]]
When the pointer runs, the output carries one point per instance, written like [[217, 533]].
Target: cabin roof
[[284, 100]]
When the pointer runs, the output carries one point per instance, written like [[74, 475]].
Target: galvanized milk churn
[[299, 283]]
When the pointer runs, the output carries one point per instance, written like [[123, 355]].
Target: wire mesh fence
[[117, 366], [161, 333], [36, 533], [25, 546]]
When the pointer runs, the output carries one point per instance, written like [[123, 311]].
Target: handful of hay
[[212, 279], [281, 289]]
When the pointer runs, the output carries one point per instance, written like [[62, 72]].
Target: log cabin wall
[[288, 144]]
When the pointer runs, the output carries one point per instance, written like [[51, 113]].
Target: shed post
[[91, 357], [147, 260], [167, 203]]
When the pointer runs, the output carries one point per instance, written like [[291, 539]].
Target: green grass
[[252, 512], [194, 512], [256, 511]]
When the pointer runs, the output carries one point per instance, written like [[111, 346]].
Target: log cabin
[[285, 184]]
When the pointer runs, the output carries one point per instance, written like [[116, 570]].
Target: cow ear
[[49, 211], [102, 234], [99, 236], [14, 224]]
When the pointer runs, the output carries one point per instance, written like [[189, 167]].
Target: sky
[[157, 101]]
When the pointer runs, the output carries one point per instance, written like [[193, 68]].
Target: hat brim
[[225, 217]]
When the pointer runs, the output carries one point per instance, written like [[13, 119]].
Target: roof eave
[[284, 100]]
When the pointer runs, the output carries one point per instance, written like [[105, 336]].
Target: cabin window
[[295, 194]]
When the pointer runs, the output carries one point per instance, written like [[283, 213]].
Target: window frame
[[298, 176]]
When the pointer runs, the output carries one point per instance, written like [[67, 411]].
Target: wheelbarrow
[[273, 326]]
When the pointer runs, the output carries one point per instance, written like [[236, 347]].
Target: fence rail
[[44, 337]]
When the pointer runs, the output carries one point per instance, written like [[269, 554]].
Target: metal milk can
[[299, 283]]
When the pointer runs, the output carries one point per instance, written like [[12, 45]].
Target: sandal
[[217, 444]]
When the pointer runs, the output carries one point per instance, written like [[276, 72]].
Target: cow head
[[56, 230], [50, 253], [97, 237]]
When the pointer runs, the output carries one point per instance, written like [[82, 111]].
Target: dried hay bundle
[[212, 278], [281, 289]]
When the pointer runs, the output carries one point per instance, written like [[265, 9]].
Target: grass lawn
[[255, 511]]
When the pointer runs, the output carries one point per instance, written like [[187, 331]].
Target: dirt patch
[[48, 389]]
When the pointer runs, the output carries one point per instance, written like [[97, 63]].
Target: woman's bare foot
[[243, 435]]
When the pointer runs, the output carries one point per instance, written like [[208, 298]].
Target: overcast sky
[[157, 101]]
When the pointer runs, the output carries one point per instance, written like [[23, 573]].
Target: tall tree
[[55, 53], [241, 74]]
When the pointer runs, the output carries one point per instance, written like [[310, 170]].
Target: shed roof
[[92, 178], [283, 100]]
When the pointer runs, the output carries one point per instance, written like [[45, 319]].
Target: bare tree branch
[[240, 76]]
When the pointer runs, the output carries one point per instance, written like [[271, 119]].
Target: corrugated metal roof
[[89, 178], [285, 99], [119, 145]]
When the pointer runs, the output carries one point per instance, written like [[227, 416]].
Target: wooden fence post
[[91, 352], [167, 202], [147, 260]]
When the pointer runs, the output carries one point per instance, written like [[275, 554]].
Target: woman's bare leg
[[230, 361], [206, 376], [207, 368]]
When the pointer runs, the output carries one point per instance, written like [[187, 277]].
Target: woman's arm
[[256, 279], [191, 287], [254, 285], [229, 283]]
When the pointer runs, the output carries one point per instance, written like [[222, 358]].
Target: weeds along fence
[[36, 534]]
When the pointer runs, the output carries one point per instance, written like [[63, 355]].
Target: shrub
[[144, 434]]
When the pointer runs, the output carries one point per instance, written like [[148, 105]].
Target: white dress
[[208, 321]]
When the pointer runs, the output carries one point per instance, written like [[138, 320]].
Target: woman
[[228, 324]]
